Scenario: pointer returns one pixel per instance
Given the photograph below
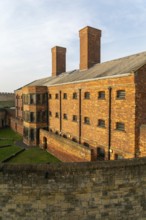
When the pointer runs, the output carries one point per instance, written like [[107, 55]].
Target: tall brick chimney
[[58, 60], [89, 47]]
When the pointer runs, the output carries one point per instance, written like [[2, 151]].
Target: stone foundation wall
[[99, 190]]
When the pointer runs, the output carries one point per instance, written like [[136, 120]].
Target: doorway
[[45, 144]]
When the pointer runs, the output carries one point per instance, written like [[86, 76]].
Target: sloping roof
[[106, 69]]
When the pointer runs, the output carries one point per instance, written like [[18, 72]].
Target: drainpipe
[[48, 109], [60, 111], [109, 122], [80, 116]]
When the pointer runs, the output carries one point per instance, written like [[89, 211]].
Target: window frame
[[86, 120], [75, 95], [101, 123], [74, 118], [65, 95], [56, 96], [65, 117], [87, 95], [120, 126], [50, 96], [120, 94], [56, 114], [101, 95]]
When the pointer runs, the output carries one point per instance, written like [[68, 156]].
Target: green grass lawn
[[9, 137], [34, 155], [9, 134], [8, 151], [5, 142], [31, 155]]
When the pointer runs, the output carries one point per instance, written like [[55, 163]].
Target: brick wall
[[99, 190], [140, 118], [122, 143], [64, 149], [16, 125], [18, 104]]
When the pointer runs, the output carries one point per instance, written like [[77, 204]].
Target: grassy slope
[[8, 133], [34, 155], [31, 155], [8, 151]]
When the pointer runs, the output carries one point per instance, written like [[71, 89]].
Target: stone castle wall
[[7, 96], [98, 190]]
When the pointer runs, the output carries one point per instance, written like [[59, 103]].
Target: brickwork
[[103, 109], [122, 142], [18, 105], [16, 125], [89, 47], [64, 149], [58, 60], [99, 190], [140, 119]]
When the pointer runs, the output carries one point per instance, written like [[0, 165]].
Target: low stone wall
[[64, 149], [109, 190], [16, 125]]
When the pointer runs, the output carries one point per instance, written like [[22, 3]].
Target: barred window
[[38, 98], [120, 126], [50, 96], [50, 113], [101, 95], [44, 116], [25, 132], [32, 134], [38, 116], [87, 95], [118, 157], [32, 98], [65, 95], [44, 98], [65, 116], [101, 123], [87, 120], [75, 96], [32, 117], [74, 118], [56, 96], [121, 94], [86, 144], [56, 115]]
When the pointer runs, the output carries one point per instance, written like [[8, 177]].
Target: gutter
[[90, 80]]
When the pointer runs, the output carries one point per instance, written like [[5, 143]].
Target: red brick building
[[95, 112]]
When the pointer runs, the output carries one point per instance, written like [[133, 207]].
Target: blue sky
[[30, 28]]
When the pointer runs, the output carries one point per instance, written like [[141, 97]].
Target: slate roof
[[106, 69]]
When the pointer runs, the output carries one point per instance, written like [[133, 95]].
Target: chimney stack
[[89, 47], [58, 60]]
